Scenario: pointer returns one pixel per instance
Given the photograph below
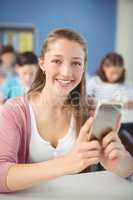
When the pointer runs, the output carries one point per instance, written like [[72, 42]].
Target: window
[[21, 38]]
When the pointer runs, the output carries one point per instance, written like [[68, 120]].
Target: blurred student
[[26, 66], [109, 82], [8, 58]]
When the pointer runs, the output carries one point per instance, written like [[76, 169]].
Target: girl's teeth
[[63, 81]]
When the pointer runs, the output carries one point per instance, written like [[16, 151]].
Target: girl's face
[[64, 66], [112, 73]]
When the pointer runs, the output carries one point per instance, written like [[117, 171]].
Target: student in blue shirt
[[26, 66]]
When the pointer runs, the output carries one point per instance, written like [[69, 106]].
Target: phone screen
[[106, 116]]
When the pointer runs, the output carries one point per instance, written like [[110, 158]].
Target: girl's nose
[[66, 70]]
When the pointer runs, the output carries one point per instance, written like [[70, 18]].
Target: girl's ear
[[41, 64]]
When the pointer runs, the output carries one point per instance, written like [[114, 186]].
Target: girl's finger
[[89, 154], [110, 137], [91, 145], [85, 130], [112, 146], [114, 154]]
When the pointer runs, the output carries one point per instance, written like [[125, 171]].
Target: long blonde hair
[[77, 97]]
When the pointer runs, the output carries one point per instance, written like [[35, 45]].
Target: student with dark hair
[[26, 66], [112, 69], [8, 57], [109, 82], [7, 64], [26, 58]]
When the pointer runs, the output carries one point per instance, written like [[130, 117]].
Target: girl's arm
[[21, 176]]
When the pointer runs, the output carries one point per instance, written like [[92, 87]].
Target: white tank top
[[41, 150]]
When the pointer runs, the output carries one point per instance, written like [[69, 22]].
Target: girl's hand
[[112, 150], [114, 156], [84, 152]]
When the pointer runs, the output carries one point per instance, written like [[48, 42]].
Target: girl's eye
[[56, 61], [76, 64]]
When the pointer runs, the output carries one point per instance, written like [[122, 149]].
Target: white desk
[[89, 186]]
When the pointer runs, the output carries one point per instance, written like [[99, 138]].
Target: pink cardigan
[[15, 132]]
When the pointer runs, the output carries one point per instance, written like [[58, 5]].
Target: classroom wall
[[95, 19]]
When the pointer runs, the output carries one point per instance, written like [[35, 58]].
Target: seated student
[[26, 67], [109, 82], [8, 58], [46, 135], [7, 63]]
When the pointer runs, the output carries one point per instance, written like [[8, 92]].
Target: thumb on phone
[[84, 131]]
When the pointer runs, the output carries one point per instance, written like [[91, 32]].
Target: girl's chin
[[62, 92]]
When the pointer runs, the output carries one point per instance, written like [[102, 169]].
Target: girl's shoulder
[[13, 103], [16, 115], [16, 107]]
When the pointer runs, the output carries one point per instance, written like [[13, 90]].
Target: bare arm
[[22, 176]]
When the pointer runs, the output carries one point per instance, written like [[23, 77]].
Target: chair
[[126, 136]]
